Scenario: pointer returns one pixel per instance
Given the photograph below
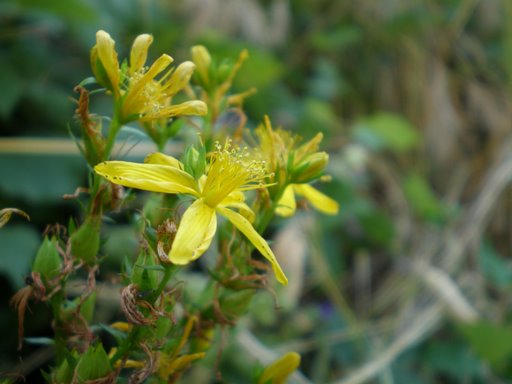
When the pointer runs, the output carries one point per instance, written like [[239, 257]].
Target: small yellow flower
[[141, 95], [219, 191], [286, 205], [294, 166], [281, 369]]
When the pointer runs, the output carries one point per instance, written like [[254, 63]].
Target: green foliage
[[491, 342], [422, 199], [387, 131], [493, 267]]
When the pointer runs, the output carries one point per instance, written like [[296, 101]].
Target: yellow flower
[[141, 95], [220, 190], [286, 205], [294, 166], [281, 369]]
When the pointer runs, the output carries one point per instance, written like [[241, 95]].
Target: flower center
[[231, 168]]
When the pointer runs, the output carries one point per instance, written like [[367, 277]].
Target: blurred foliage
[[415, 101]]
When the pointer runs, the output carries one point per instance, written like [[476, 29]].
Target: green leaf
[[454, 359], [494, 267], [421, 197], [387, 131], [70, 10], [492, 342]]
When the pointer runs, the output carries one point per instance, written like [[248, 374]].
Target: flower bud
[[104, 62], [85, 241], [195, 161], [139, 52], [202, 59], [310, 168], [93, 364], [48, 262], [144, 276], [281, 369], [63, 373]]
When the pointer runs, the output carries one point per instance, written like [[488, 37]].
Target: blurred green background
[[411, 282]]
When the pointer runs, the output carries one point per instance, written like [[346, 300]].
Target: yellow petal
[[244, 226], [108, 56], [149, 177], [234, 197], [133, 97], [162, 159], [139, 52], [179, 78], [195, 233], [236, 200], [193, 107], [317, 199], [286, 205], [281, 369], [179, 364], [202, 59]]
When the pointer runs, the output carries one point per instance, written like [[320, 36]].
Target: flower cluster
[[141, 95], [219, 195]]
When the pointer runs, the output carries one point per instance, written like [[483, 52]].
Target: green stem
[[262, 224], [126, 346], [168, 274], [115, 126]]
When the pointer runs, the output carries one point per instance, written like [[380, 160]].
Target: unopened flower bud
[[202, 59], [94, 364], [104, 62], [85, 241], [143, 274], [139, 52], [48, 262], [195, 161], [281, 369], [310, 168], [63, 373]]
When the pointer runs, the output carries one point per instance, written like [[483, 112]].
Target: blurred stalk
[[507, 42], [64, 146], [331, 288]]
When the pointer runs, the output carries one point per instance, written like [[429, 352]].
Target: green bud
[[144, 274], [48, 262], [224, 71], [87, 307], [85, 241], [195, 161], [310, 168], [63, 373], [94, 364]]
